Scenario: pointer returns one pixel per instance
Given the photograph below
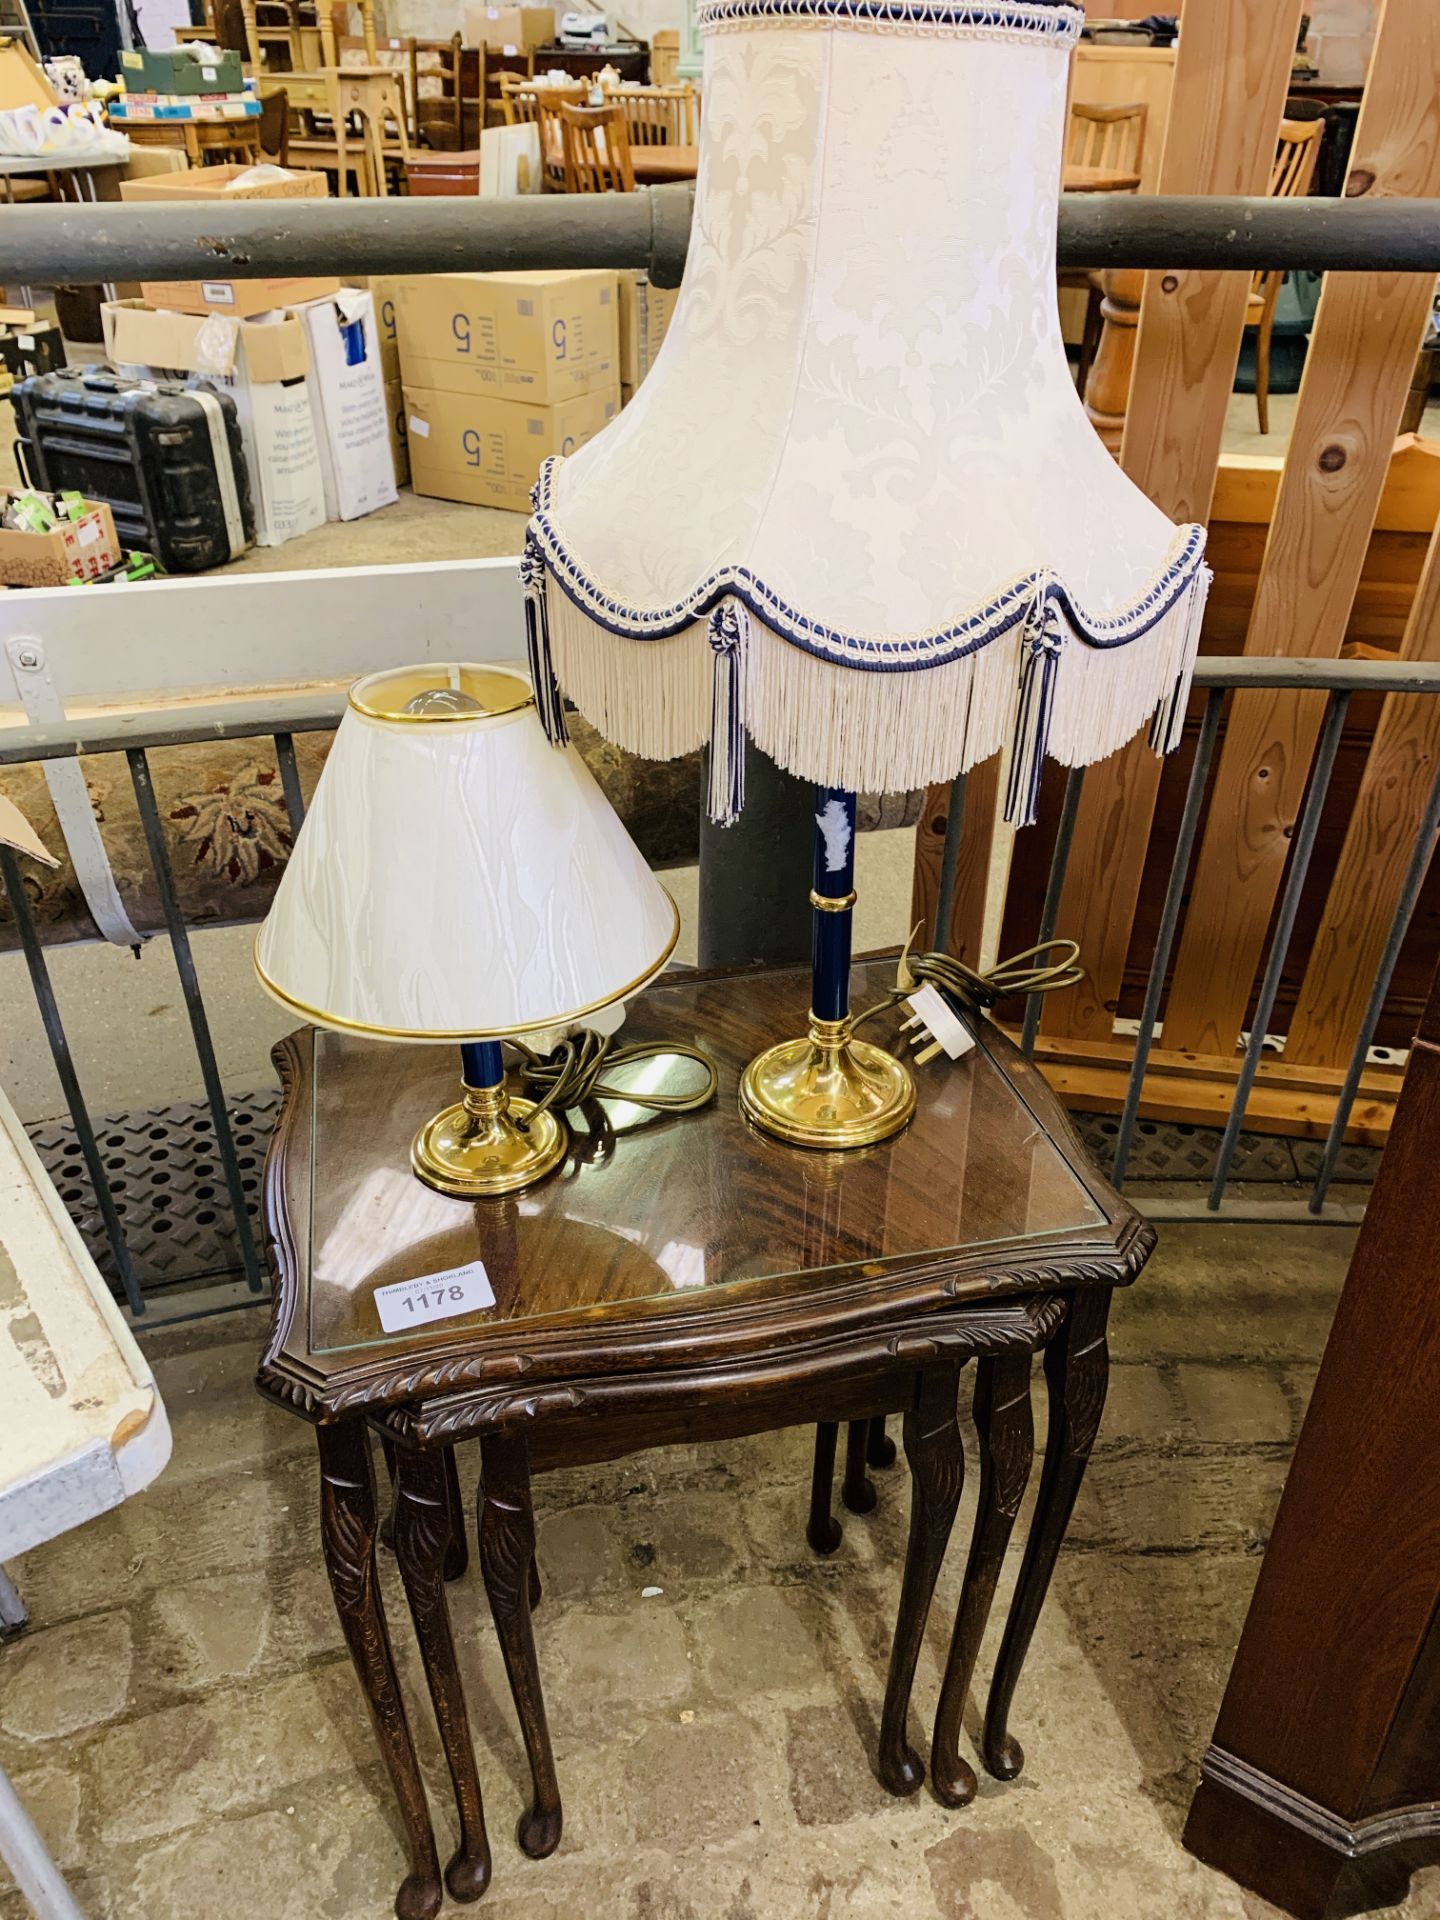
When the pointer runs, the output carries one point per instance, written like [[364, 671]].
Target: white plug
[[941, 1029]]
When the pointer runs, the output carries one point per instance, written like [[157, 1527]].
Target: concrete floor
[[182, 1718]]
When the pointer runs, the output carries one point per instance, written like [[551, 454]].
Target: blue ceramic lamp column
[[828, 1090]]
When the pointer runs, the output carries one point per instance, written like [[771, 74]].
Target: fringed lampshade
[[856, 509]]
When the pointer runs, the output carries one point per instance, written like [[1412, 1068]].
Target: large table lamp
[[856, 510], [455, 880]]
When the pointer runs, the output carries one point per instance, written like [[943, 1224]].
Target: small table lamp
[[856, 510], [456, 880]]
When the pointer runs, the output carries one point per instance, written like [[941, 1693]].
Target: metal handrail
[[313, 712], [85, 244]]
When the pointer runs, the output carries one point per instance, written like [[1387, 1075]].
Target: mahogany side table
[[682, 1279]]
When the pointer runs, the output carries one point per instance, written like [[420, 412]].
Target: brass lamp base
[[827, 1090], [475, 1148]]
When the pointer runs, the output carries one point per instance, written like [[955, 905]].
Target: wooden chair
[[1296, 155], [665, 56], [1113, 139], [520, 96], [278, 36], [275, 127], [656, 116], [439, 100], [597, 149], [372, 96], [394, 55], [540, 105]]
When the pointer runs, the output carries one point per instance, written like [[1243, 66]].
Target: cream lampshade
[[856, 506], [457, 880]]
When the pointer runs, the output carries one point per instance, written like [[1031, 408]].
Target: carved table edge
[[754, 1331], [1017, 1325]]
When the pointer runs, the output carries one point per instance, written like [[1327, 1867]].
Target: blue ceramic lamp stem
[[834, 880], [483, 1063]]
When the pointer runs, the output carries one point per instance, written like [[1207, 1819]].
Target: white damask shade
[[856, 509], [454, 878]]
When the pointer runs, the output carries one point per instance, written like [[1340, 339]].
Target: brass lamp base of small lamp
[[476, 1149], [827, 1090]]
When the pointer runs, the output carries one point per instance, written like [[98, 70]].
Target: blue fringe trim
[[549, 705], [729, 632], [858, 650]]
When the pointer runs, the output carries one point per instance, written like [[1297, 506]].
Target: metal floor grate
[[170, 1191], [168, 1184], [1171, 1150]]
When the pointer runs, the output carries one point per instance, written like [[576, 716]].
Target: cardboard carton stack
[[645, 315], [190, 82], [387, 327], [499, 371], [238, 297], [508, 30], [302, 359], [27, 345]]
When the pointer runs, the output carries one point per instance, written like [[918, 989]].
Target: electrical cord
[[977, 992], [571, 1074]]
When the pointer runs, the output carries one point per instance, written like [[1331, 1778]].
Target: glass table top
[[681, 1210]]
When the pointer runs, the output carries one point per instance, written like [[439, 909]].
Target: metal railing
[[137, 736], [98, 243]]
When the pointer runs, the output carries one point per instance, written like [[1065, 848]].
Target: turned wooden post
[[326, 21], [252, 37], [1107, 391], [367, 27]]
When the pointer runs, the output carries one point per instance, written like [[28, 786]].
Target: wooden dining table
[[657, 166]]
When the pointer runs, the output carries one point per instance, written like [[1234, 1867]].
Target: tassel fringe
[[729, 633], [1169, 722], [1040, 650], [1038, 687], [534, 586]]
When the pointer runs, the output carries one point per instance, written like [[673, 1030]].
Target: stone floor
[[183, 1721]]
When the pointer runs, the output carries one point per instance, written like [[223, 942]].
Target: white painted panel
[[226, 631]]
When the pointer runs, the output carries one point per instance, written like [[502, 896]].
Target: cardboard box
[[176, 70], [28, 345], [145, 108], [265, 366], [382, 292], [224, 183], [537, 337], [22, 79], [508, 29], [348, 386], [399, 438], [76, 550], [240, 299], [645, 316], [489, 451]]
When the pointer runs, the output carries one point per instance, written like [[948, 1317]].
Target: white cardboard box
[[348, 385], [264, 365]]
